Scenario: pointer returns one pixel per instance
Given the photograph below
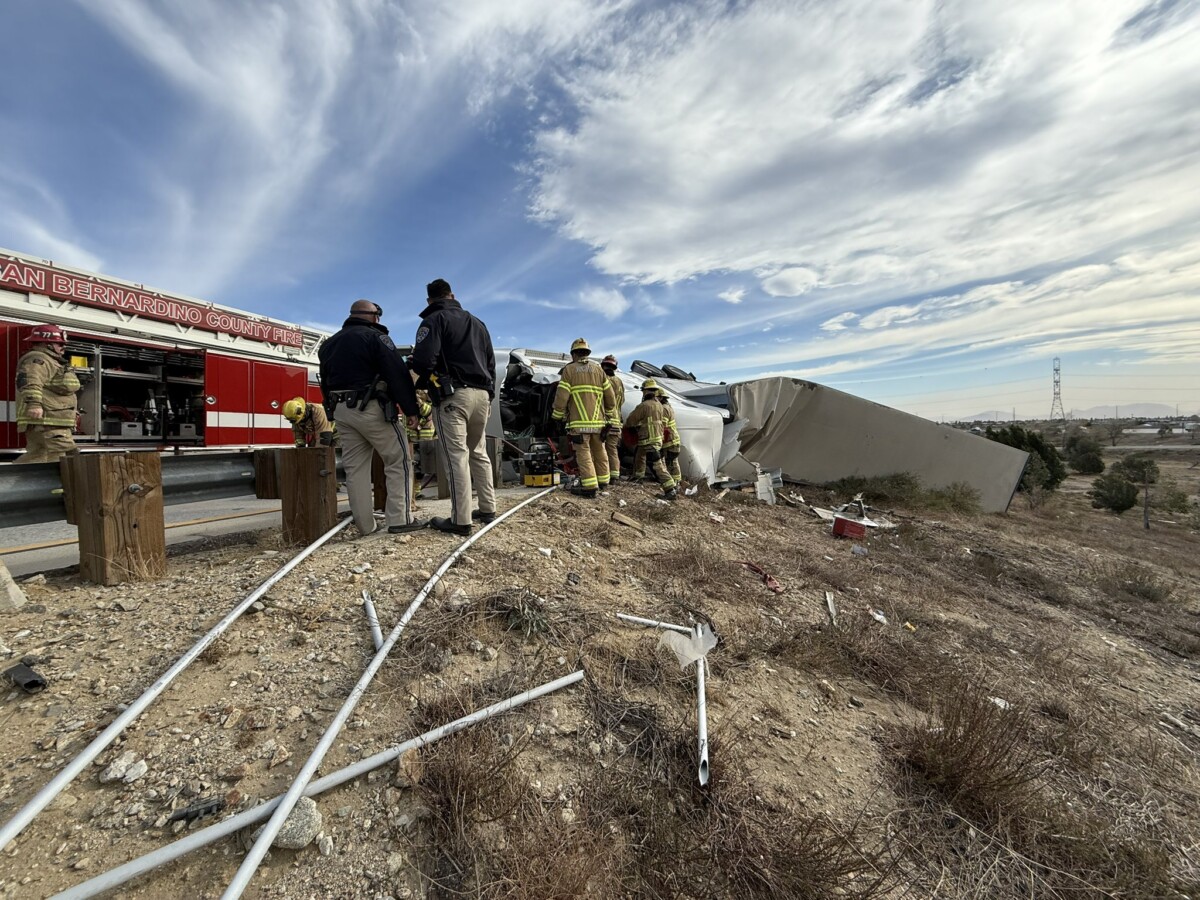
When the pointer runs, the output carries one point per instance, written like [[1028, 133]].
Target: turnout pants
[[652, 455], [612, 444], [591, 458], [363, 432], [44, 443], [671, 459], [461, 421]]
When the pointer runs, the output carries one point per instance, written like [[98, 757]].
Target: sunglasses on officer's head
[[378, 310]]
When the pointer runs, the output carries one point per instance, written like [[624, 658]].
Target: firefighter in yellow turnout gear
[[46, 397], [310, 425], [647, 418], [584, 402], [672, 443], [425, 431], [612, 443]]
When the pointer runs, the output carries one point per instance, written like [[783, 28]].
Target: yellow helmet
[[293, 410], [649, 385], [580, 344], [662, 395]]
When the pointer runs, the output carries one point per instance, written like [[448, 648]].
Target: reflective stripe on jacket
[[671, 440], [647, 418], [45, 381], [584, 397], [618, 388]]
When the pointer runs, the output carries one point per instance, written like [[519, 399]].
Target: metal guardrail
[[32, 494]]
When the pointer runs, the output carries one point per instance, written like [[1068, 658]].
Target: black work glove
[[604, 432], [326, 439]]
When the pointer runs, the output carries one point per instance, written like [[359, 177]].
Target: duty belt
[[350, 398]]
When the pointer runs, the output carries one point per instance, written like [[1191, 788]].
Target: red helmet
[[47, 334], [609, 360]]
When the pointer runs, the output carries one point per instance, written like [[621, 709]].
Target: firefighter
[[647, 418], [612, 443], [422, 432], [46, 396], [672, 443], [310, 425], [584, 402]]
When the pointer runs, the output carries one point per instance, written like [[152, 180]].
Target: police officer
[[647, 418], [584, 402], [612, 442], [454, 358], [363, 381], [310, 425], [46, 396]]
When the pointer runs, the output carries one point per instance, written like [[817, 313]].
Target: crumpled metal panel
[[817, 434]]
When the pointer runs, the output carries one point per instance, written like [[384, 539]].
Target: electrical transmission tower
[[1056, 407]]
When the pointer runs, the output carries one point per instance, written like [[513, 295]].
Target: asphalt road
[[53, 545]]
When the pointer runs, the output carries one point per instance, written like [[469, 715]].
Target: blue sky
[[920, 203]]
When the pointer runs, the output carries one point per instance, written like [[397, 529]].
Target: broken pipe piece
[[26, 678]]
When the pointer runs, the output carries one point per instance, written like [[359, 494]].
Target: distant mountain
[[1130, 411], [992, 415]]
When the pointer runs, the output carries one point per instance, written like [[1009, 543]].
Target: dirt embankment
[[1024, 723]]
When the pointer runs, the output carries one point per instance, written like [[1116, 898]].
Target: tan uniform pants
[[612, 444], [366, 431], [46, 444], [591, 458], [461, 422], [671, 459], [658, 467]]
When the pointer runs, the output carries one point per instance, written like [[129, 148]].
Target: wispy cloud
[[608, 302]]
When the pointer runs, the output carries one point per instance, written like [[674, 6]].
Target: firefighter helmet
[[580, 345], [609, 360], [649, 385], [47, 334], [662, 395], [294, 409]]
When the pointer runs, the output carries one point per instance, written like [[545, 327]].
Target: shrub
[[1169, 497], [1113, 491], [1138, 468], [1033, 443], [1082, 451]]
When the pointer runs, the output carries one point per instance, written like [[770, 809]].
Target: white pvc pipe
[[24, 816], [116, 877], [372, 620], [256, 853], [654, 624], [701, 716]]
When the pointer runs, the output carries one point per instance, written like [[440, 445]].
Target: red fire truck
[[157, 369]]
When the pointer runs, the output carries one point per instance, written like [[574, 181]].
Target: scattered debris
[[688, 649], [713, 517], [119, 767], [909, 626], [625, 520], [11, 595], [1001, 702], [198, 810], [26, 678], [832, 608], [692, 491], [768, 579], [860, 550], [546, 552], [878, 616]]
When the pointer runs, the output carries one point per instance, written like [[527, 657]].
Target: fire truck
[[158, 369]]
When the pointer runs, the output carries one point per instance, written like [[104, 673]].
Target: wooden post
[[266, 474], [378, 482], [308, 482], [66, 473], [119, 507]]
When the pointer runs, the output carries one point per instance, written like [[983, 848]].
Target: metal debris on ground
[[26, 678], [878, 616], [713, 517], [198, 810], [829, 605], [768, 579], [623, 519]]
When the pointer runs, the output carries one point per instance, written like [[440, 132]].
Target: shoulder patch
[[422, 333], [387, 342]]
